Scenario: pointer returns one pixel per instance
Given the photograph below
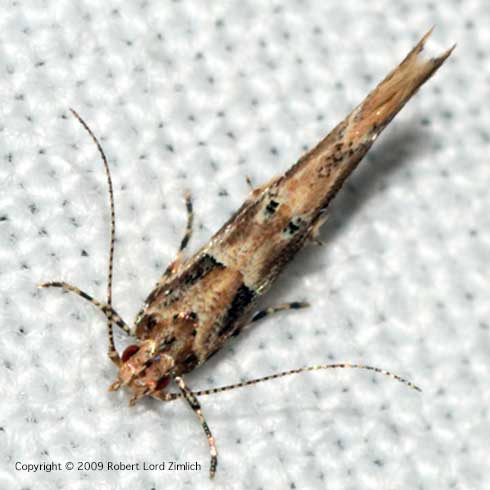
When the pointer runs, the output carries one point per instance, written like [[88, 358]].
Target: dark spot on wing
[[293, 226], [271, 207], [243, 297], [202, 267], [192, 316], [147, 324], [205, 264], [189, 362]]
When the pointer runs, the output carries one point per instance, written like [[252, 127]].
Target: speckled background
[[198, 96]]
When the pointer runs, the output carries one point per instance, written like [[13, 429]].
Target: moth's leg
[[249, 182], [261, 314], [175, 264], [196, 407], [282, 374], [190, 221], [294, 305], [315, 229], [108, 311]]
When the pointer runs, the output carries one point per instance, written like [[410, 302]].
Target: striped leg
[[196, 407], [107, 310], [295, 305], [190, 221], [249, 182], [175, 264]]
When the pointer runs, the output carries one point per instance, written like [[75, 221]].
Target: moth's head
[[143, 369]]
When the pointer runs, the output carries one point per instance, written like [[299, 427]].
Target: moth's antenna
[[317, 367], [113, 354]]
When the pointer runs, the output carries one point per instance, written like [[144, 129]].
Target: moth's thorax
[[161, 320], [190, 315]]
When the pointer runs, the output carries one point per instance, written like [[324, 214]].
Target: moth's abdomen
[[278, 218]]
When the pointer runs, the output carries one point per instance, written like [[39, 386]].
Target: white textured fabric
[[199, 95]]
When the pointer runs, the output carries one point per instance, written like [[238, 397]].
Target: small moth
[[201, 302]]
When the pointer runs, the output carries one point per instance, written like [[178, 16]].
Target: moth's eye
[[129, 351], [162, 383]]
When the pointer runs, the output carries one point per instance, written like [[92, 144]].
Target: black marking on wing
[[294, 226], [148, 323], [189, 362], [203, 266], [243, 297], [271, 207], [291, 228], [170, 292]]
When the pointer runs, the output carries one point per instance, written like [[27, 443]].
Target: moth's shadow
[[387, 157]]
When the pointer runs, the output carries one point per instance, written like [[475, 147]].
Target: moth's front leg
[[196, 407], [175, 264], [108, 311], [190, 220]]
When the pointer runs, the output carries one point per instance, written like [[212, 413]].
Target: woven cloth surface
[[199, 96]]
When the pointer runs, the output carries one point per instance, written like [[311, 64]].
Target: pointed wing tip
[[427, 35], [421, 44], [448, 52], [397, 88]]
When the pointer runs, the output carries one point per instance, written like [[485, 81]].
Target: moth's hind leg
[[294, 305], [108, 311], [261, 314]]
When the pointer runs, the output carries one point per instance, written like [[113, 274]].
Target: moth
[[203, 301]]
